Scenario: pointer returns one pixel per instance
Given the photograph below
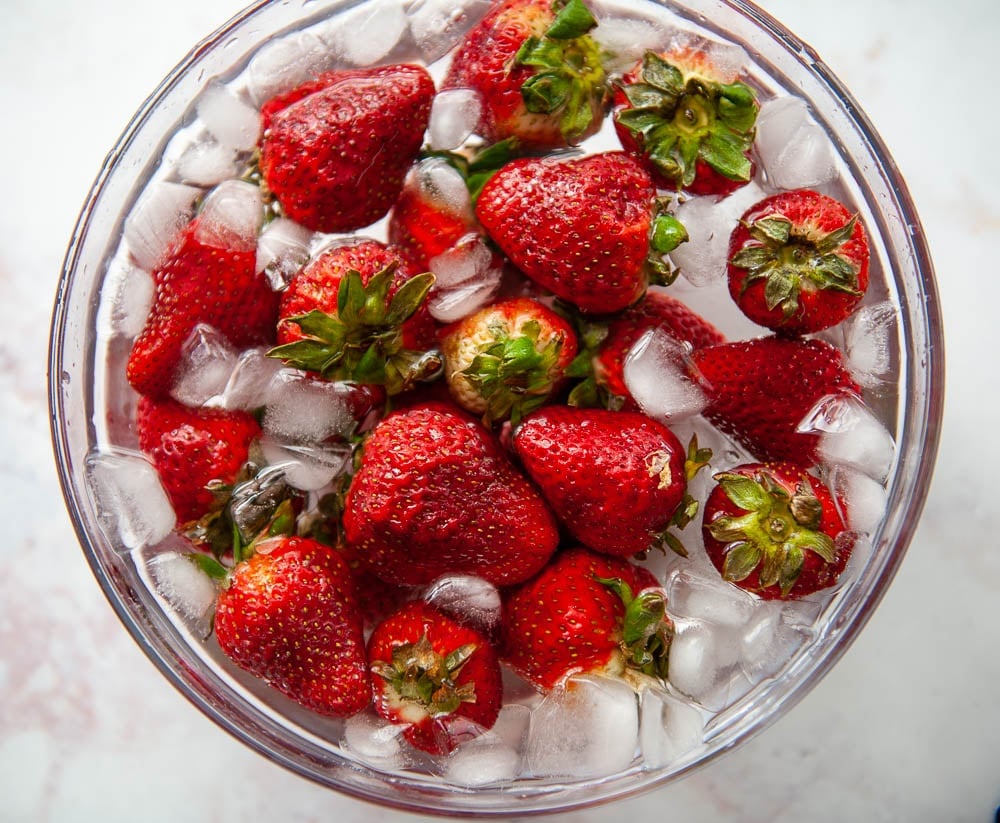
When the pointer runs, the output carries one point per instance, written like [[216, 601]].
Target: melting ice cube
[[207, 361], [301, 409], [626, 40], [308, 468], [249, 384], [864, 499], [654, 374], [769, 643], [715, 602], [234, 123], [365, 35], [206, 163], [868, 344], [231, 216], [282, 249], [482, 761], [127, 294], [467, 277], [437, 24], [793, 149], [374, 741], [186, 588], [704, 663], [285, 62], [468, 599], [454, 116], [160, 213], [668, 728], [850, 435]]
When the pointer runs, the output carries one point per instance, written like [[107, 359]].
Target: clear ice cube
[[668, 728], [793, 149], [282, 249], [454, 117], [467, 277], [439, 182], [308, 468], [189, 591], [127, 294], [284, 63], [206, 363], [864, 499], [206, 163], [365, 35], [626, 40], [231, 216], [483, 761], [654, 373], [250, 383], [160, 213], [851, 435], [374, 741], [769, 642], [712, 601], [436, 25], [869, 335], [301, 409], [704, 662], [234, 123], [470, 600]]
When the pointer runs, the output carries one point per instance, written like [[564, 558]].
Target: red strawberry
[[759, 391], [356, 313], [798, 262], [537, 71], [587, 613], [692, 126], [198, 282], [615, 480], [335, 156], [505, 360], [775, 530], [435, 494], [195, 451], [435, 675], [580, 227], [289, 616]]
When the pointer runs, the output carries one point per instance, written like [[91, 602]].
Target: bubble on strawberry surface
[[363, 36], [131, 504], [284, 63], [250, 382], [468, 599], [793, 149], [206, 363], [206, 163], [307, 468], [301, 409], [282, 249], [668, 728], [436, 25], [188, 590], [454, 117], [374, 741], [654, 373], [231, 216], [864, 500], [868, 338], [162, 210], [588, 727], [712, 601], [850, 435], [626, 40], [704, 664], [234, 123], [485, 760], [126, 295]]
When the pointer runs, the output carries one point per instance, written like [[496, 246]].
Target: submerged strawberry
[[434, 675], [798, 262], [775, 530]]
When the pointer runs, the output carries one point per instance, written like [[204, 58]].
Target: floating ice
[[512, 723], [186, 588], [231, 216], [374, 741], [626, 40], [715, 602], [470, 600], [436, 25], [284, 63], [702, 259], [654, 375], [308, 468], [590, 728], [130, 501], [668, 728], [439, 182], [161, 212], [703, 663], [467, 277], [850, 435], [127, 293], [482, 761], [207, 360], [254, 502], [729, 59], [365, 35], [769, 643], [793, 149], [282, 249], [454, 116], [301, 409], [869, 335], [206, 163], [249, 384], [864, 499], [234, 123]]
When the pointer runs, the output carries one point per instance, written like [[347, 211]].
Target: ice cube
[[850, 435], [712, 601], [284, 63], [231, 216], [863, 499], [301, 409], [512, 723], [485, 760], [308, 468], [160, 213], [127, 294], [186, 588], [363, 36], [467, 277], [868, 343], [454, 116], [234, 123], [470, 600], [254, 502], [793, 149], [668, 728], [129, 500], [626, 40], [769, 643], [249, 384], [206, 363], [454, 304], [436, 25], [374, 741], [439, 182], [654, 372], [704, 661], [729, 59], [282, 249], [588, 728], [206, 163]]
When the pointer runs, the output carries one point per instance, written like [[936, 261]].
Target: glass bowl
[[273, 45]]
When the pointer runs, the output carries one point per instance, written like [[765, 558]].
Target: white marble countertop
[[905, 727]]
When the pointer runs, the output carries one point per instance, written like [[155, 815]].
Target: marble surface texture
[[905, 727]]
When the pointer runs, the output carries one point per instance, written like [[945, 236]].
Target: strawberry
[[798, 262], [538, 73], [587, 229], [775, 530], [200, 282], [691, 125], [586, 613], [289, 616], [197, 452], [615, 480], [435, 675], [435, 494], [759, 391], [356, 313], [334, 152], [505, 360]]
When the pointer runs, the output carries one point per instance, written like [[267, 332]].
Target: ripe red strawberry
[[775, 530], [435, 675], [200, 283], [586, 613], [335, 152], [435, 494], [615, 480], [759, 391], [505, 360], [692, 125], [580, 227], [798, 262], [357, 313], [538, 73], [196, 452], [289, 616]]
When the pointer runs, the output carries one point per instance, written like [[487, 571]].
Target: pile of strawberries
[[505, 445]]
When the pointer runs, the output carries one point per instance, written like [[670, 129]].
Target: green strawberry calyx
[[774, 531], [646, 630], [679, 121], [418, 677], [666, 233], [569, 80], [789, 259], [696, 459], [364, 341]]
